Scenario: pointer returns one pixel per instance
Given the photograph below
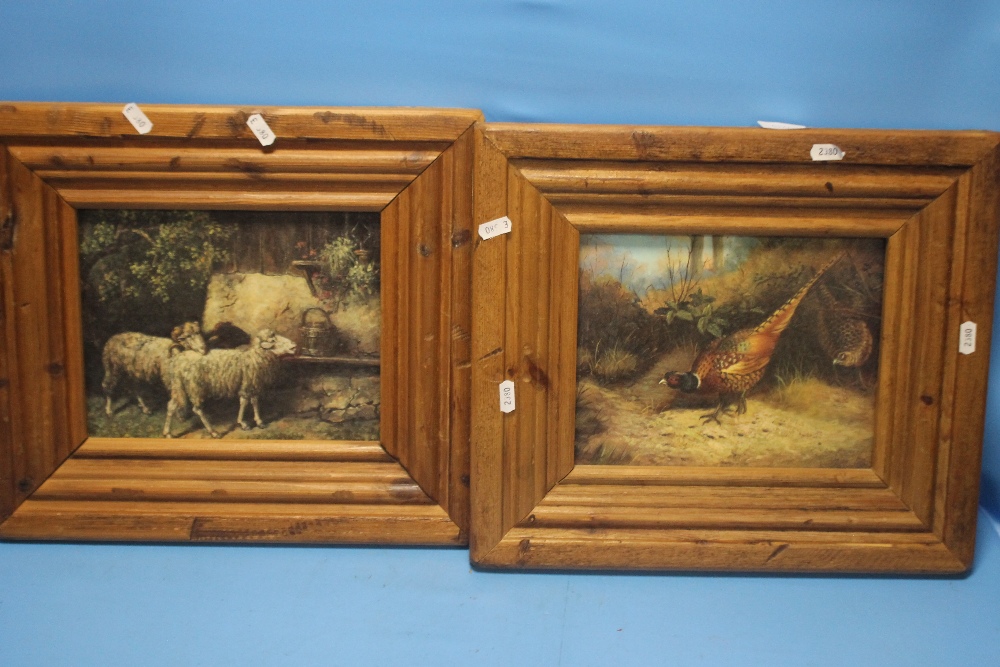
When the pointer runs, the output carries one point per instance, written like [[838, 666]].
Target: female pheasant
[[843, 335], [733, 365]]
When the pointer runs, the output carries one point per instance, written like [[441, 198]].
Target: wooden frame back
[[413, 165], [933, 195]]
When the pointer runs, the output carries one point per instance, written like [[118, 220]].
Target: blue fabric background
[[848, 63]]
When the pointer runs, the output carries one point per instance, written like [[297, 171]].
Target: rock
[[332, 416], [338, 400], [350, 414], [367, 388], [328, 384], [366, 412], [304, 403], [254, 301]]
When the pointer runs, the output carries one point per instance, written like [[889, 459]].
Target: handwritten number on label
[[506, 396], [824, 152], [488, 230], [139, 121], [967, 338], [261, 130]]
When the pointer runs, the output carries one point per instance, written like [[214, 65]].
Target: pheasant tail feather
[[779, 321]]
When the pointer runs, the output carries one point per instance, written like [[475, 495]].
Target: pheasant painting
[[783, 330], [731, 366]]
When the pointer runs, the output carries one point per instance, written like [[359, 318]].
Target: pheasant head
[[686, 382], [855, 342]]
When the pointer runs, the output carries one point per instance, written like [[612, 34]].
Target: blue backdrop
[[890, 64]]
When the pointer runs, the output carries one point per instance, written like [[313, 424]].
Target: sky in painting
[[641, 261]]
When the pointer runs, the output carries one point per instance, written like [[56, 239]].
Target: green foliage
[[699, 311], [363, 279], [147, 270], [338, 255], [348, 271]]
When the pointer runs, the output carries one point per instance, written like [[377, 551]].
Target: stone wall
[[335, 395]]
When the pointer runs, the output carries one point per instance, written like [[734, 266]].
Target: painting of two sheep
[[231, 324]]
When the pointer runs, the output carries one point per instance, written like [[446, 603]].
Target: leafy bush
[[347, 271], [699, 311], [147, 270]]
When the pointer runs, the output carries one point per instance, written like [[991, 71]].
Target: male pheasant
[[733, 365]]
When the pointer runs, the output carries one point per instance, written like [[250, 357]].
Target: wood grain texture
[[10, 429], [746, 222], [232, 481], [751, 145], [103, 159], [933, 195], [206, 157], [720, 550], [430, 299], [39, 119], [724, 477], [313, 523], [232, 450], [934, 229], [850, 199], [979, 213], [44, 418], [411, 164], [489, 262], [461, 157]]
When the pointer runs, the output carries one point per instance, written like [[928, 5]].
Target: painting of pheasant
[[732, 365]]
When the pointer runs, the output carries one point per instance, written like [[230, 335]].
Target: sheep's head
[[277, 345], [188, 337]]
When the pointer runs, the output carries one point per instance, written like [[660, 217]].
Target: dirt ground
[[806, 423], [129, 422]]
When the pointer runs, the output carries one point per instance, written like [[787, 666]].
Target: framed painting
[[209, 339], [726, 352]]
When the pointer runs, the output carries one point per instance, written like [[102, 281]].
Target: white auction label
[[823, 152], [778, 125], [488, 230], [967, 338], [507, 396], [139, 121], [259, 127]]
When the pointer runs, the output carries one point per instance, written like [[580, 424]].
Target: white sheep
[[137, 358], [243, 372]]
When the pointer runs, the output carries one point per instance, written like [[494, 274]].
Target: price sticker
[[260, 129], [507, 396], [825, 152], [778, 125], [139, 121], [488, 230], [967, 338]]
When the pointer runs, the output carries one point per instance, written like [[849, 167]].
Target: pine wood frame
[[933, 195], [413, 165]]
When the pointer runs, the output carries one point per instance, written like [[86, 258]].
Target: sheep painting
[[243, 281], [139, 361], [243, 372]]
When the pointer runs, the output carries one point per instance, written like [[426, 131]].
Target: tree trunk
[[718, 252], [695, 261]]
